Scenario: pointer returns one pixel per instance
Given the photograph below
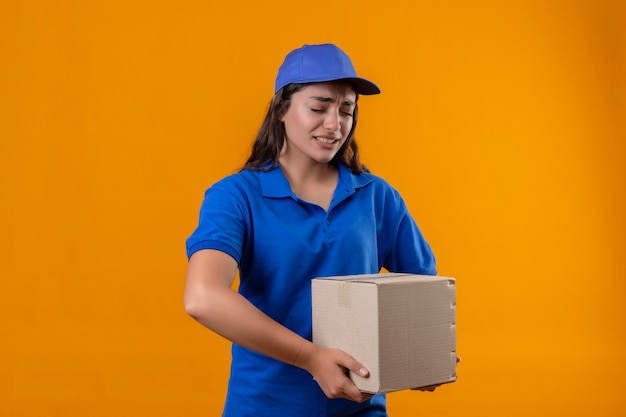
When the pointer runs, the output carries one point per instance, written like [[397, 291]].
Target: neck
[[313, 182], [305, 170]]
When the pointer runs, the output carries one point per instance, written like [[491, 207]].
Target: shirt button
[[327, 221]]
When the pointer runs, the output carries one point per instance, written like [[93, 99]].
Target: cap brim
[[364, 87]]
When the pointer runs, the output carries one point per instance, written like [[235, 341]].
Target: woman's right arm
[[210, 300]]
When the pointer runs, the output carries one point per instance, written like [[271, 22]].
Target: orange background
[[501, 123]]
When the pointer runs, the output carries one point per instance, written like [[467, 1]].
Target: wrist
[[305, 355]]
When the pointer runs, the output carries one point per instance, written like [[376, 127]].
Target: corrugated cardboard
[[400, 326]]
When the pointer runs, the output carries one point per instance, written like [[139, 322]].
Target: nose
[[332, 122]]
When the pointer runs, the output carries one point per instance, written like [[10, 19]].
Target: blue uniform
[[282, 242]]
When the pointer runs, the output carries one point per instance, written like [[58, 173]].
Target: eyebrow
[[330, 100]]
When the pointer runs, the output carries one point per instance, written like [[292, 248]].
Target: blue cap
[[321, 63]]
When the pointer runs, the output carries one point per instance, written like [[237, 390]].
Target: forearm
[[232, 316], [210, 299]]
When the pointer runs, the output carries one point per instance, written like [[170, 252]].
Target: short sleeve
[[221, 224], [409, 251]]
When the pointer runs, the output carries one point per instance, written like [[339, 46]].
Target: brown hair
[[271, 136]]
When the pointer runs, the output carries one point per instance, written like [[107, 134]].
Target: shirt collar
[[353, 181], [275, 184]]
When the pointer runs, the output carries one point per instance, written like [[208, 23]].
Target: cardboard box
[[400, 326]]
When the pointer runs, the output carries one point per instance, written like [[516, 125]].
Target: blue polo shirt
[[281, 242]]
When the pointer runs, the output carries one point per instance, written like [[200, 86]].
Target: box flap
[[387, 278]]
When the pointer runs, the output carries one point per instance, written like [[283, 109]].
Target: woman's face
[[318, 121]]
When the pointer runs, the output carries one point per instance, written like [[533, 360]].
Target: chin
[[324, 160]]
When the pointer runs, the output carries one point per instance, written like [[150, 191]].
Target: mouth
[[329, 141]]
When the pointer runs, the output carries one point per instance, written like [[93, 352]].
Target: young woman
[[302, 207]]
